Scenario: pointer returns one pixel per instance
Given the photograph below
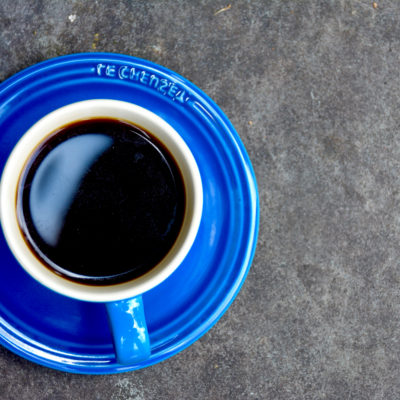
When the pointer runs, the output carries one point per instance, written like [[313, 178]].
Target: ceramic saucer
[[70, 335]]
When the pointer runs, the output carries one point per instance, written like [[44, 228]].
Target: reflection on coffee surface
[[101, 201]]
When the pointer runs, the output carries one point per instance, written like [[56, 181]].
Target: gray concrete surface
[[313, 88]]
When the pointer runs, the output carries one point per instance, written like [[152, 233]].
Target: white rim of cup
[[85, 110]]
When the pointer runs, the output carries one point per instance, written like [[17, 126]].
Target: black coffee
[[101, 202]]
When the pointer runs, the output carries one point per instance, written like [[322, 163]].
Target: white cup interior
[[141, 117]]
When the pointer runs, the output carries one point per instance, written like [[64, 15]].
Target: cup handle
[[129, 330]]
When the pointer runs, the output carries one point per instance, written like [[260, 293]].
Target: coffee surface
[[101, 202]]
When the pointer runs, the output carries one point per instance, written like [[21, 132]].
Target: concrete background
[[312, 89]]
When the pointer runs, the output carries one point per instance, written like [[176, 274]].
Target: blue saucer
[[74, 336]]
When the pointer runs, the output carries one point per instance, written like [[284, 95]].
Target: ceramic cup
[[123, 300]]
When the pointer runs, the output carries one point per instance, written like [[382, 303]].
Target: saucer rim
[[230, 295]]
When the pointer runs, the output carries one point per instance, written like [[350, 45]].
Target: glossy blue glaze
[[74, 336], [128, 324]]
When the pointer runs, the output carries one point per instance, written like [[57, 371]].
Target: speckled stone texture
[[312, 88]]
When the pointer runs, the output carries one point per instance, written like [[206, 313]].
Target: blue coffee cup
[[123, 300]]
